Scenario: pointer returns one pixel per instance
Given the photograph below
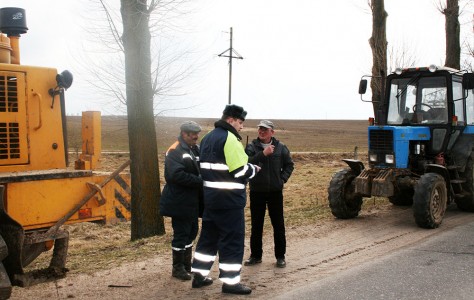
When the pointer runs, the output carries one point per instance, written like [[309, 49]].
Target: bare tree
[[453, 32], [378, 44], [106, 69], [401, 56], [146, 194]]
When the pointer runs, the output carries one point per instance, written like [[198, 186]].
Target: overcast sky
[[303, 59]]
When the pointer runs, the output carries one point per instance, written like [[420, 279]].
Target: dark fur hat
[[235, 111]]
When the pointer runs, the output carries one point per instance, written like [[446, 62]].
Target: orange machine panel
[[40, 203]]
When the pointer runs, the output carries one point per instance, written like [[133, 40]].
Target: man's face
[[265, 134], [238, 124], [190, 138]]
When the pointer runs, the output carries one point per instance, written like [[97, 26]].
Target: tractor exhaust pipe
[[13, 23]]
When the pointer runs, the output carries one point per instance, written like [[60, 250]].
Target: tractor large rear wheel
[[430, 200], [466, 203], [343, 201]]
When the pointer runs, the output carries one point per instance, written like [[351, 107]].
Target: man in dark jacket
[[181, 195], [225, 171], [266, 189]]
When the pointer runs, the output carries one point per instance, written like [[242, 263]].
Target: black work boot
[[199, 280], [188, 257], [178, 266], [238, 289]]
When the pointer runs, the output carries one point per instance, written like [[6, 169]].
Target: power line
[[231, 52]]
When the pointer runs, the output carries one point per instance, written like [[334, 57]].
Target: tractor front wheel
[[343, 201], [430, 200]]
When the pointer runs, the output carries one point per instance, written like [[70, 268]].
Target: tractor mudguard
[[439, 169], [356, 165]]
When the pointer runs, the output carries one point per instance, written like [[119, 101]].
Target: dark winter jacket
[[224, 167], [183, 188], [276, 168]]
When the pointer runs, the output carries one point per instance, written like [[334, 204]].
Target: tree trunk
[[453, 46], [146, 192], [378, 43]]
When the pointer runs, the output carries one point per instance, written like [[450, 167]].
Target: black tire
[[402, 197], [466, 203], [344, 203], [430, 200]]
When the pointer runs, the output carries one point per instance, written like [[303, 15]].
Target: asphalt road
[[441, 267]]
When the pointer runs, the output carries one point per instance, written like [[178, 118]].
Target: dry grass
[[96, 247]]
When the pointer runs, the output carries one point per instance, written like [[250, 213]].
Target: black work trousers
[[258, 205], [184, 232]]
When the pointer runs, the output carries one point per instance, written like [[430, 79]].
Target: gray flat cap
[[190, 126], [266, 124]]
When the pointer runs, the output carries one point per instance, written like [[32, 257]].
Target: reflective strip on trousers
[[202, 263], [230, 273]]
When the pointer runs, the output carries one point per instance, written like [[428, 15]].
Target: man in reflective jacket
[[181, 196], [225, 171]]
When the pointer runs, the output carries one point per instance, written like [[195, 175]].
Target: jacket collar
[[273, 141], [223, 124]]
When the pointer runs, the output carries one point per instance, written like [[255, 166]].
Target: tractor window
[[470, 107], [418, 100], [458, 102]]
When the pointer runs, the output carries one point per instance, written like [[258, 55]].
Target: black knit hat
[[235, 111]]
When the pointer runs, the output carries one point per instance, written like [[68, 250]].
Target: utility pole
[[230, 55]]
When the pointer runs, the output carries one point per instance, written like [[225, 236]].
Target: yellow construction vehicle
[[38, 192]]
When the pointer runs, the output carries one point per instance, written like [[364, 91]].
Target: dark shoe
[[281, 263], [252, 261], [200, 281], [238, 289]]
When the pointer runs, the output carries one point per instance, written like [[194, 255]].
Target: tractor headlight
[[373, 157], [389, 159]]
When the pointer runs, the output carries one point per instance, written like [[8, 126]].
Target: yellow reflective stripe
[[204, 257], [232, 280], [230, 267], [224, 185], [211, 166]]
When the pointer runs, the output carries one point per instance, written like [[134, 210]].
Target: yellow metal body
[[41, 203], [39, 190], [38, 193], [91, 138], [31, 133]]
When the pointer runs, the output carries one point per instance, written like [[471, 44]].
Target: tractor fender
[[438, 169], [356, 165]]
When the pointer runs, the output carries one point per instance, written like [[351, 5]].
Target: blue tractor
[[421, 146]]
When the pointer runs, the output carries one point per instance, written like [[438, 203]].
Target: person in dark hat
[[225, 171], [266, 190], [181, 196]]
